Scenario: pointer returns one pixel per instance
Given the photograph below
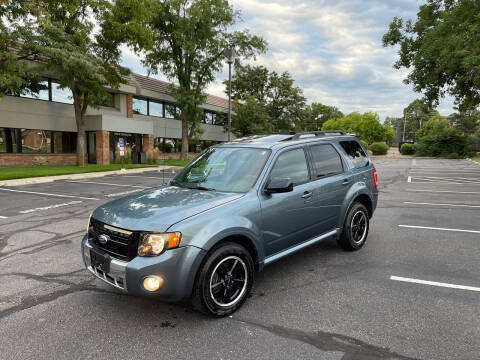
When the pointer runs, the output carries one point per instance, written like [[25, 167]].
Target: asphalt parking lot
[[412, 292]]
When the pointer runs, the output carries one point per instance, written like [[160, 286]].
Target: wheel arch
[[242, 240]]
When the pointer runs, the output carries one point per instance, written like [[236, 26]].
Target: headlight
[[88, 223], [155, 244]]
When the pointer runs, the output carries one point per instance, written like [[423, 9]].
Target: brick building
[[141, 112]]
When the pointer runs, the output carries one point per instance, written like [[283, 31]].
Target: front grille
[[122, 245]]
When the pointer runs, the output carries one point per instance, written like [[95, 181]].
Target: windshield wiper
[[201, 188], [176, 183]]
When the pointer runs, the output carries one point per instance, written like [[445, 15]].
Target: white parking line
[[49, 207], [3, 217], [146, 177], [437, 204], [477, 180], [434, 283], [439, 229], [433, 182], [48, 194], [444, 191], [123, 193], [102, 183], [409, 179], [446, 172]]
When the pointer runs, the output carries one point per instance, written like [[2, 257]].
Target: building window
[[65, 142], [62, 95], [155, 108], [209, 117], [8, 140], [221, 119], [109, 100], [140, 106], [36, 141], [213, 118], [172, 111], [41, 95]]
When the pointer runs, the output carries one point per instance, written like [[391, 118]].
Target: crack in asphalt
[[327, 341], [28, 302]]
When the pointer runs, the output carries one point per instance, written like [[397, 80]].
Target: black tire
[[213, 286], [354, 235]]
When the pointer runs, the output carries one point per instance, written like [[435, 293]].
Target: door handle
[[306, 195], [346, 181]]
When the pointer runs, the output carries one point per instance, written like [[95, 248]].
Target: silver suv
[[234, 209]]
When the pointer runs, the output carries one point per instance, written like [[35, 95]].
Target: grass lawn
[[50, 170], [176, 162], [476, 158]]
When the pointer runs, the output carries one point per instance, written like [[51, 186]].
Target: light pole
[[230, 55]]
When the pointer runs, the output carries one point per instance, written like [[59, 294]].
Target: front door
[[288, 218], [331, 185]]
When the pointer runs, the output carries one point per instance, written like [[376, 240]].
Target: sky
[[332, 48]]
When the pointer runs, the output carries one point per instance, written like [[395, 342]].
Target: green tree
[[316, 114], [185, 40], [366, 126], [16, 74], [441, 48], [250, 117], [414, 116], [467, 122], [61, 35], [275, 94]]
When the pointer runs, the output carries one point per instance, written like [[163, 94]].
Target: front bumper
[[178, 267]]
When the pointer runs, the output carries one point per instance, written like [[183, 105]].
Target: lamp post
[[230, 55]]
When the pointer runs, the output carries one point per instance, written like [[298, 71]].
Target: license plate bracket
[[100, 261]]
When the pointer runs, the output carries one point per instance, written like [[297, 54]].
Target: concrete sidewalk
[[46, 179]]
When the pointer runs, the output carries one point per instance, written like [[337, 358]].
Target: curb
[[473, 162], [47, 179]]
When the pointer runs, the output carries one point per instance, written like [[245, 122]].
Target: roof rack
[[317, 134]]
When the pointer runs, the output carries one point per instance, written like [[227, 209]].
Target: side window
[[291, 164], [326, 160], [355, 153]]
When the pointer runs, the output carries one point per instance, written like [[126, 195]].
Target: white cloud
[[333, 50]]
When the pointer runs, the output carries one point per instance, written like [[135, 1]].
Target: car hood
[[158, 208]]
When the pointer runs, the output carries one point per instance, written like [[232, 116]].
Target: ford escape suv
[[232, 210]]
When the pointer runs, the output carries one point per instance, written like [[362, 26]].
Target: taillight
[[375, 178]]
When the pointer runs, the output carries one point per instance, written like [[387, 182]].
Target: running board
[[298, 247]]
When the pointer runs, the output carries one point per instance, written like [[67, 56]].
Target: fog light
[[152, 283]]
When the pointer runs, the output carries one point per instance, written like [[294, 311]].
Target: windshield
[[224, 169]]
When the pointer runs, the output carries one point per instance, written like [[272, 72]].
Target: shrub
[[379, 148], [438, 138], [364, 143], [168, 147], [407, 149], [39, 160], [152, 156]]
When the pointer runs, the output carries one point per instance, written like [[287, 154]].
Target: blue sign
[[121, 143]]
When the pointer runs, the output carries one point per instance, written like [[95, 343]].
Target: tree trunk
[[80, 109], [184, 153]]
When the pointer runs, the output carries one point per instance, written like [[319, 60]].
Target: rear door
[[288, 218], [331, 185]]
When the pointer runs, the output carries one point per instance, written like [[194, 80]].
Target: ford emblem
[[103, 239]]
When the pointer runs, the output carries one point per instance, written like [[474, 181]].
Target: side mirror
[[279, 185]]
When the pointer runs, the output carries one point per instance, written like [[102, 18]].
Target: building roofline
[[143, 82]]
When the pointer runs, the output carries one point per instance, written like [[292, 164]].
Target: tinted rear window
[[355, 153], [326, 160]]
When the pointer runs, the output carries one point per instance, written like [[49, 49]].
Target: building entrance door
[[91, 147]]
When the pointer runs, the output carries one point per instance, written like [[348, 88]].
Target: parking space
[[411, 293], [64, 193]]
